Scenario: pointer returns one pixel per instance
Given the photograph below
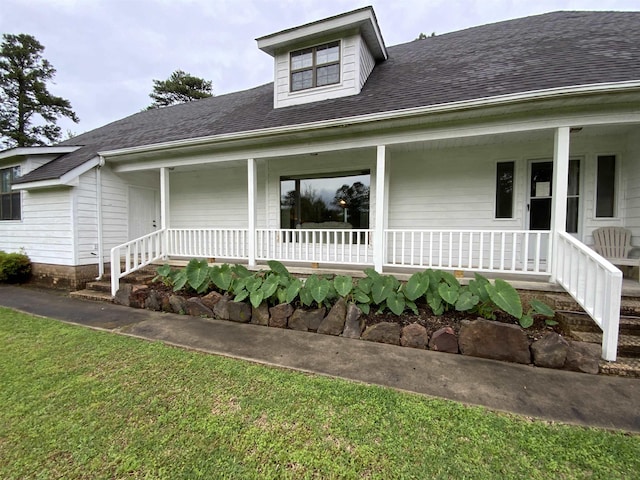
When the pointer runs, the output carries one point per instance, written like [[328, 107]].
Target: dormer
[[326, 59]]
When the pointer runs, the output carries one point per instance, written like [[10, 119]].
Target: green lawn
[[76, 403]]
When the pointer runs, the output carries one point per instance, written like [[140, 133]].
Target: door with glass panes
[[540, 195]]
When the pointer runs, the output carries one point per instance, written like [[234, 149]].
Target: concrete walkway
[[577, 398]]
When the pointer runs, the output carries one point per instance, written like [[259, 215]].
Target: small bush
[[14, 267]]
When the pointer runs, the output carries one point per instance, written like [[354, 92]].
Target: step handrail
[[136, 254], [593, 282]]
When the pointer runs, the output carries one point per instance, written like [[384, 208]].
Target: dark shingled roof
[[545, 51]]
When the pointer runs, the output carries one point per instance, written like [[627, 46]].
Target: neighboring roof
[[546, 51]]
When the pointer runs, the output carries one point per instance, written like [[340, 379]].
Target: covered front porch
[[514, 204]]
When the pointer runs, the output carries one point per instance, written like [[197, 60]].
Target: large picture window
[[9, 200], [341, 200], [605, 186], [315, 66]]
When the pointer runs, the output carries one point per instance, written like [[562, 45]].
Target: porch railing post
[[559, 194], [381, 208], [251, 233]]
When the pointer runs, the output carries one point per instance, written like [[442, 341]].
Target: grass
[[77, 403]]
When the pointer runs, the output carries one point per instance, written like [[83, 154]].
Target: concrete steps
[[584, 329], [100, 290]]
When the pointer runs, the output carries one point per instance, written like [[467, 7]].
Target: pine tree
[[180, 87], [28, 111]]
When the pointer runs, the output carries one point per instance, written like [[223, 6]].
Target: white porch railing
[[507, 251], [340, 246], [208, 242], [134, 255], [595, 284]]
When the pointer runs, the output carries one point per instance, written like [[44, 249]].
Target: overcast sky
[[107, 52]]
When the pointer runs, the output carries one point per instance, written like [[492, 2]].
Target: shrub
[[14, 267]]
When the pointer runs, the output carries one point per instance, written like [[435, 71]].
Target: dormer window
[[315, 66]]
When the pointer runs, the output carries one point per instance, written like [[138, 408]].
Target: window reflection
[[318, 202]]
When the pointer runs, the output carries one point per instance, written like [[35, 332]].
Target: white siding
[[366, 63], [45, 232], [215, 197], [86, 219], [350, 81], [115, 204], [631, 169]]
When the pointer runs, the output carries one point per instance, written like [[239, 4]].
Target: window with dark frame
[[504, 189], [340, 197], [315, 66], [9, 200], [606, 186]]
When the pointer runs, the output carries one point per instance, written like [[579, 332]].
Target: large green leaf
[[198, 274], [466, 301], [380, 290], [506, 297], [343, 285], [416, 286], [305, 296], [436, 304], [541, 308], [371, 273], [241, 295], [364, 284], [180, 280], [360, 297], [241, 271], [450, 279], [395, 302], [478, 287], [221, 276], [292, 290], [364, 307], [269, 286], [252, 283], [256, 298], [449, 293], [525, 321], [317, 287], [278, 268]]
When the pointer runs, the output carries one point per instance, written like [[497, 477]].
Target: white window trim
[[330, 86]]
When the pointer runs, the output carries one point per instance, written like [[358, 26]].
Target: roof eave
[[545, 94], [31, 151], [68, 179]]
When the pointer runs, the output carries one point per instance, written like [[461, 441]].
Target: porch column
[[164, 198], [382, 185], [559, 197], [164, 208], [252, 182]]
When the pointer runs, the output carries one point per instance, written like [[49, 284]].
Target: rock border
[[479, 338]]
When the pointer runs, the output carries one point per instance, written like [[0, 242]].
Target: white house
[[499, 148]]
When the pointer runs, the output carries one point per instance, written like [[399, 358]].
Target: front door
[[143, 211], [541, 193]]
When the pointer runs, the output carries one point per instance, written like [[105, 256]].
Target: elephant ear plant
[[441, 291]]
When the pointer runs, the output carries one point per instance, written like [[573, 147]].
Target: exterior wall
[[214, 197], [45, 232], [351, 74], [631, 166], [366, 63], [454, 188], [61, 276], [86, 219]]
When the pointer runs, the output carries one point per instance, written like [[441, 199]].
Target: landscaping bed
[[430, 311]]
